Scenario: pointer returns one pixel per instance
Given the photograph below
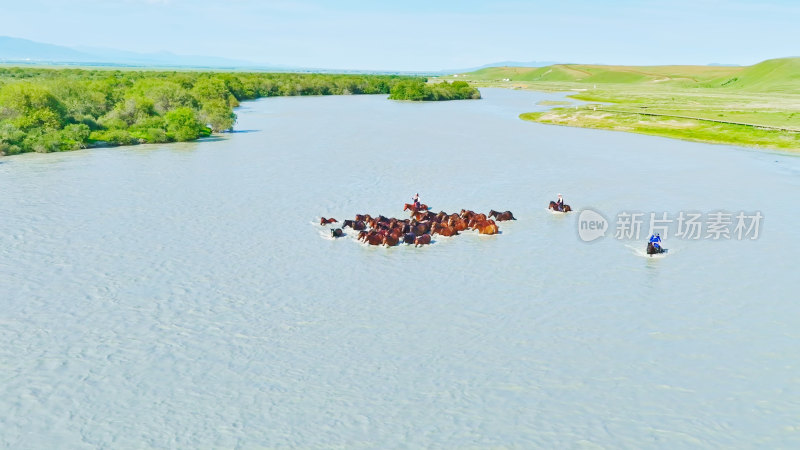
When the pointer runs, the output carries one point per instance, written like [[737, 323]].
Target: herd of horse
[[420, 227], [423, 224]]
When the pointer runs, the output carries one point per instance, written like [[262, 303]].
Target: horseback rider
[[416, 200], [655, 239], [560, 203]]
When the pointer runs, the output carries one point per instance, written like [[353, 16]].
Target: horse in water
[[420, 228], [444, 230], [458, 223], [501, 216], [486, 227], [554, 206], [371, 237], [324, 221], [476, 219], [337, 232], [652, 250], [355, 224], [413, 208], [425, 239], [390, 240]]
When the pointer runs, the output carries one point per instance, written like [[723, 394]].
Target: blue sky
[[420, 35]]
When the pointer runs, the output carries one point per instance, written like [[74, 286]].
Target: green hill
[[758, 105], [586, 73], [773, 75], [781, 75]]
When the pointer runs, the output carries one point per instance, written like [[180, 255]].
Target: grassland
[[755, 106]]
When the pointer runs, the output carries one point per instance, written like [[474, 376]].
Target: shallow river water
[[185, 296]]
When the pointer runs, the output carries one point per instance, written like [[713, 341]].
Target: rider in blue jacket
[[656, 241]]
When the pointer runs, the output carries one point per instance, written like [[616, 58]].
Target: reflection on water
[[187, 292]]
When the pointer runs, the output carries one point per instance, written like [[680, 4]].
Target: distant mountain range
[[23, 50], [505, 64], [16, 51]]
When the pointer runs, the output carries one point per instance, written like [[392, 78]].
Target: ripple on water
[[179, 295]]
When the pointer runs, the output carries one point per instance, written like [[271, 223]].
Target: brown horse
[[374, 238], [390, 240], [444, 230], [413, 208], [357, 225], [425, 239], [337, 232], [420, 228], [487, 227], [501, 216], [324, 221], [554, 207], [458, 223], [652, 250], [476, 219]]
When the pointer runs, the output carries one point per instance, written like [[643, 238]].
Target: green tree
[[11, 138], [218, 115], [212, 88], [133, 109], [166, 95], [30, 106], [408, 90], [61, 109], [74, 136], [182, 124]]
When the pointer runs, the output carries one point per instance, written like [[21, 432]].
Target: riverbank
[[678, 127], [47, 110], [54, 110], [756, 106]]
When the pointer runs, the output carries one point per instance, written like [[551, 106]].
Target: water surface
[[183, 296]]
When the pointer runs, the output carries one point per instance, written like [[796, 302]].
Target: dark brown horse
[[354, 224], [652, 250], [337, 232], [324, 221], [379, 221], [420, 228], [554, 206], [373, 238], [501, 216], [425, 239], [409, 238]]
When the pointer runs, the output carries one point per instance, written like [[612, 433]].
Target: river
[[185, 296]]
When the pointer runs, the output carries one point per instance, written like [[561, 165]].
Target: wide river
[[185, 296]]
